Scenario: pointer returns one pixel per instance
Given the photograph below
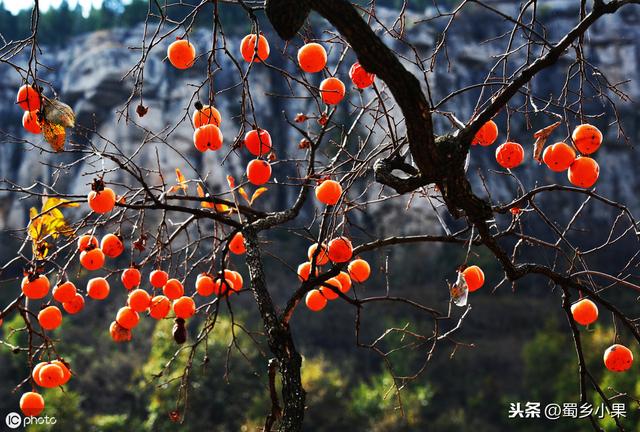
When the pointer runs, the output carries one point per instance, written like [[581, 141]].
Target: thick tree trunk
[[279, 339]]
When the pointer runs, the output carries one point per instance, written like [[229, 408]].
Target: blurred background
[[515, 344]]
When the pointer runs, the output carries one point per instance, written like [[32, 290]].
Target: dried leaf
[[459, 291], [231, 181], [201, 194], [257, 194], [54, 134], [244, 195], [541, 138]]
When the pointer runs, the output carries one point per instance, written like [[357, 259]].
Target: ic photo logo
[[13, 420]]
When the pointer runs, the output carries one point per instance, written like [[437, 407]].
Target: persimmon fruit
[[51, 375], [87, 241], [304, 271], [131, 278], [258, 172], [30, 122], [28, 98], [558, 157], [102, 201], [50, 318], [359, 270], [119, 333], [36, 288], [31, 404], [92, 259], [66, 373], [360, 77], [181, 54], [345, 281], [253, 51], [474, 276], [160, 307], [328, 192], [312, 57], [184, 307], [587, 138], [332, 91], [258, 142], [340, 250], [329, 293], [205, 286], [158, 278], [584, 312], [75, 305], [127, 317], [64, 292], [322, 257], [112, 246], [236, 244], [487, 135], [206, 115], [173, 289], [208, 137], [139, 300], [509, 155], [583, 172], [315, 300], [618, 358], [98, 288]]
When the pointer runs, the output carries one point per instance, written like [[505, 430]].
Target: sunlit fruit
[[236, 244], [127, 317], [509, 155], [184, 307], [66, 373], [158, 278], [64, 292], [139, 300], [304, 270], [587, 138], [618, 358], [258, 172], [28, 98], [345, 281], [75, 305], [50, 318], [315, 300], [258, 142], [328, 192], [205, 286], [31, 404], [51, 375], [131, 278], [111, 245], [487, 134], [235, 278], [92, 259], [35, 374], [87, 241], [474, 276], [36, 287], [119, 333], [340, 250], [173, 289], [98, 288], [30, 122], [208, 137], [312, 57], [332, 91], [327, 290], [102, 201], [558, 157], [181, 54], [322, 257], [360, 77], [583, 172], [252, 51], [359, 270], [206, 115], [160, 307], [584, 312]]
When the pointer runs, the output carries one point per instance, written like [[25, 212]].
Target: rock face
[[88, 74]]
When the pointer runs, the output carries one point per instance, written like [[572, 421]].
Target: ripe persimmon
[[181, 54], [173, 289], [131, 278], [51, 375], [92, 259], [75, 305], [332, 91], [35, 374], [304, 270], [360, 77], [558, 157], [328, 192], [235, 278], [258, 172], [28, 98], [474, 276], [329, 293], [160, 307], [205, 286], [98, 288], [30, 122], [102, 201], [31, 404], [50, 318], [583, 172], [312, 57], [111, 245], [127, 317], [322, 256], [253, 51], [584, 312], [236, 244], [587, 138], [618, 358], [208, 137], [87, 241], [258, 142], [487, 134], [158, 278], [359, 270], [340, 250], [64, 292], [206, 115], [139, 300], [119, 333], [184, 307], [66, 373], [345, 281], [35, 287], [315, 300], [509, 155]]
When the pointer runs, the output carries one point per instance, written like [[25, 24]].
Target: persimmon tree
[[372, 130]]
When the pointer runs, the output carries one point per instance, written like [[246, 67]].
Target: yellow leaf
[[244, 194], [54, 134], [257, 194], [200, 191], [51, 202], [231, 181]]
